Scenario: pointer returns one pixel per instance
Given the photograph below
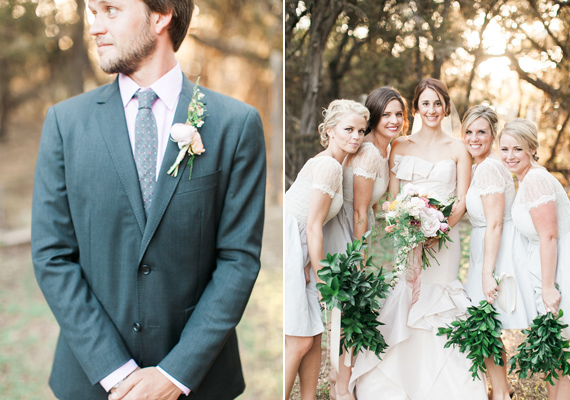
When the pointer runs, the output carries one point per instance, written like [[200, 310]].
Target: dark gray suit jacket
[[165, 291]]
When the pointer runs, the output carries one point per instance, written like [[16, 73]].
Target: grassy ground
[[28, 331], [528, 389]]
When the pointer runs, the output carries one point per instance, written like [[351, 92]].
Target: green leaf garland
[[543, 350], [478, 337], [356, 287]]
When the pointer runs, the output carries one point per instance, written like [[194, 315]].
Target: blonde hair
[[335, 112], [480, 111], [526, 135]]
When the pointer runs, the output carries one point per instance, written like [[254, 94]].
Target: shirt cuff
[[118, 375], [180, 386]]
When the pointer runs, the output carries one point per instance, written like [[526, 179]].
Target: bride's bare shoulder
[[401, 143]]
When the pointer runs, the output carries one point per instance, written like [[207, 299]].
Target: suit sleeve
[[238, 249], [85, 326]]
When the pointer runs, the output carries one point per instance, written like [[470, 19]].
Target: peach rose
[[197, 145]]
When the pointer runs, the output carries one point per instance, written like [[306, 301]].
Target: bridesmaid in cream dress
[[365, 180], [496, 247], [541, 212], [312, 200], [416, 364]]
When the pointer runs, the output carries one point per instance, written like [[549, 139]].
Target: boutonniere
[[186, 135]]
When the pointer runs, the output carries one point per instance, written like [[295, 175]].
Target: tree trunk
[[419, 69], [80, 60], [4, 112], [275, 163], [323, 16], [550, 162]]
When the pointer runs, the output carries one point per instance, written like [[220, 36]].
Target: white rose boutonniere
[[186, 135]]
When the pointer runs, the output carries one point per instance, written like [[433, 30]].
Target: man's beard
[[132, 54]]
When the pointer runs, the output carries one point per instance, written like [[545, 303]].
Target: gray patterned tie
[[146, 142]]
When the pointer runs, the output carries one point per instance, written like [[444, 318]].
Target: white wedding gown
[[416, 365]]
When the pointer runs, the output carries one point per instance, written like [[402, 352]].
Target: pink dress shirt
[[168, 89]]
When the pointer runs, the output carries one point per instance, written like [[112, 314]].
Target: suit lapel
[[113, 126], [166, 184]]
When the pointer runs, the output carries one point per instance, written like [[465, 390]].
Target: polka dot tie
[[146, 143]]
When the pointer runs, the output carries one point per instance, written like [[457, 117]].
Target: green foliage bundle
[[477, 337], [543, 350], [356, 287]]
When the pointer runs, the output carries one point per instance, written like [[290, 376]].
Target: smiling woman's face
[[513, 155]]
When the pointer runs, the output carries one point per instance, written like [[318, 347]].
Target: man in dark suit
[[147, 274]]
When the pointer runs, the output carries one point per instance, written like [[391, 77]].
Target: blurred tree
[[487, 10], [41, 53], [399, 42], [348, 48], [243, 41], [538, 33]]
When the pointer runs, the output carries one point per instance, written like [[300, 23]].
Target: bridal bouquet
[[477, 337], [545, 349], [354, 287], [411, 219]]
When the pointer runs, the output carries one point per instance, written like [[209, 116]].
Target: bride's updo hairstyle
[[480, 111], [526, 135], [437, 86], [335, 112], [378, 100]]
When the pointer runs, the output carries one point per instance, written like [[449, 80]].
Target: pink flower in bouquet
[[390, 228], [444, 227], [410, 190], [440, 216], [386, 206], [415, 205], [430, 222]]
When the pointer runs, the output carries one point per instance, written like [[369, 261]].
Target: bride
[[416, 364]]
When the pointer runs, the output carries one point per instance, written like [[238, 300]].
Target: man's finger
[[125, 387]]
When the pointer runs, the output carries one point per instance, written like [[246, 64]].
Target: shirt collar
[[168, 87]]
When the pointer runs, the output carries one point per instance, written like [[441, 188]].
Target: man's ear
[[161, 21]]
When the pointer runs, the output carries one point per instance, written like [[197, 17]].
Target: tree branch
[[225, 47], [547, 27], [550, 161], [536, 82]]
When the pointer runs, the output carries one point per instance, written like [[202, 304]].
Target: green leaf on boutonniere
[[544, 350], [356, 287], [477, 336]]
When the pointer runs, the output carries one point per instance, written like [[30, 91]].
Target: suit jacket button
[[137, 327], [145, 269]]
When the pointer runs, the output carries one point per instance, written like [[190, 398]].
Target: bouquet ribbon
[[335, 342], [507, 298], [414, 273]]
